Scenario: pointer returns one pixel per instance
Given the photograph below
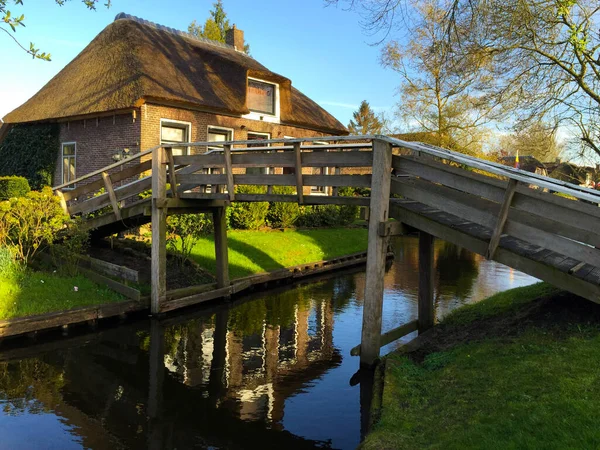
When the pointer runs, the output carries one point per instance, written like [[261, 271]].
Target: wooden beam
[[229, 172], [391, 336], [111, 195], [221, 250], [121, 288], [426, 306], [377, 248], [502, 216], [172, 174], [159, 232], [298, 170]]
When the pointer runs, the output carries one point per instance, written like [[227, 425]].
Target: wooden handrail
[[104, 169], [553, 184]]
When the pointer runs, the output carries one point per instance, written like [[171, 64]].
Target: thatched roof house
[[153, 74], [133, 61]]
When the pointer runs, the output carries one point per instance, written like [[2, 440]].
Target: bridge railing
[[513, 203], [215, 174]]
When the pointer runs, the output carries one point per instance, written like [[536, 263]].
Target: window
[[319, 171], [173, 132], [253, 136], [262, 97], [219, 135], [69, 155]]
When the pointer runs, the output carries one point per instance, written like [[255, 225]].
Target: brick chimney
[[235, 37]]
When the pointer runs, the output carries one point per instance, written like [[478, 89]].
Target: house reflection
[[256, 361]]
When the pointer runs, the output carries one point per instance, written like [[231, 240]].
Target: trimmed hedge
[[251, 215], [283, 214], [11, 187], [31, 151]]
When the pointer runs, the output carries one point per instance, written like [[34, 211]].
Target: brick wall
[[98, 140], [151, 116], [200, 121]]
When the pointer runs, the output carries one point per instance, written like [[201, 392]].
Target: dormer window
[[261, 97], [262, 100]]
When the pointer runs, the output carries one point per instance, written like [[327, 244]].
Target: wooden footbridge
[[543, 227]]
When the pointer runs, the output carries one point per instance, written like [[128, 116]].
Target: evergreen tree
[[365, 121], [216, 26]]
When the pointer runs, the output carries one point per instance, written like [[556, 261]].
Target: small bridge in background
[[538, 225]]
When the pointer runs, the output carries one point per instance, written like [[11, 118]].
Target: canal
[[273, 370]]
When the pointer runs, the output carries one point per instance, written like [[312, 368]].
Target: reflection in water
[[268, 371]]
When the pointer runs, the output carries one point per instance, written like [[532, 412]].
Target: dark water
[[270, 371]]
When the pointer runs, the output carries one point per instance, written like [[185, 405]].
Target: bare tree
[[538, 140], [546, 53], [442, 91]]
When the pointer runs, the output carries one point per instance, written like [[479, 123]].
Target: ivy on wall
[[30, 151]]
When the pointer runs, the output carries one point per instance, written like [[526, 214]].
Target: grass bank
[[252, 252], [32, 293], [520, 369]]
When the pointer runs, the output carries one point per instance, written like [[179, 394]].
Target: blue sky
[[323, 50]]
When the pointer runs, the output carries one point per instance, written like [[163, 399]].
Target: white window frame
[[320, 190], [188, 126], [62, 165], [218, 128], [265, 117]]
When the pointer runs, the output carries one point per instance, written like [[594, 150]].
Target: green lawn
[[38, 293], [253, 252], [520, 370]]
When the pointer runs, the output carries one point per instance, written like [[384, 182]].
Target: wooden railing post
[[376, 254], [229, 172], [426, 307], [298, 170], [172, 175], [159, 230]]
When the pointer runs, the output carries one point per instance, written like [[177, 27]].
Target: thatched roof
[[132, 61]]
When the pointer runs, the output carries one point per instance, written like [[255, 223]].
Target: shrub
[[329, 215], [184, 231], [283, 214], [30, 151], [29, 224], [13, 187], [250, 215]]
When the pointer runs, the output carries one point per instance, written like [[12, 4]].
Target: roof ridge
[[125, 16]]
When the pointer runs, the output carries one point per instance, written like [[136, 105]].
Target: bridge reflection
[[219, 380]]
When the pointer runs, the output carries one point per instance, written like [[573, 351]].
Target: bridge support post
[[159, 230], [221, 250], [426, 307], [376, 254]]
